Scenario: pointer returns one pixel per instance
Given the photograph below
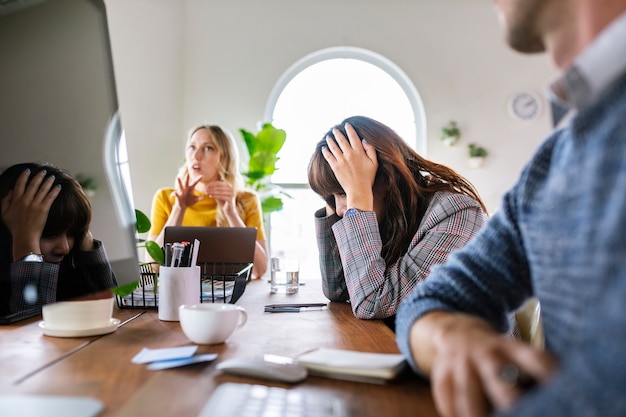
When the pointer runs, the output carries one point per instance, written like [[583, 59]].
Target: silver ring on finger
[[509, 374]]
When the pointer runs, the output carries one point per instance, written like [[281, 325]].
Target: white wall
[[182, 62]]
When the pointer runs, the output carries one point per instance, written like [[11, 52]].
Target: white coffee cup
[[78, 315], [211, 323]]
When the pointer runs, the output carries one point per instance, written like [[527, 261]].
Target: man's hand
[[466, 359]]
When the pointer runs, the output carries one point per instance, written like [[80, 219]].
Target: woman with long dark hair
[[47, 252], [390, 215]]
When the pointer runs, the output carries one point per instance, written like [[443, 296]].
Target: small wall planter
[[88, 185], [450, 134], [475, 161], [477, 155]]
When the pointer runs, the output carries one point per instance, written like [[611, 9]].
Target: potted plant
[[142, 225], [477, 155], [450, 134], [263, 151], [88, 185]]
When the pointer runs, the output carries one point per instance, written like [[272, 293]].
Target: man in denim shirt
[[560, 236]]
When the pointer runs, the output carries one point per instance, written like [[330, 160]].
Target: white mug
[[78, 315], [211, 323]]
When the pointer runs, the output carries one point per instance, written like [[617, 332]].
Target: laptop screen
[[217, 244]]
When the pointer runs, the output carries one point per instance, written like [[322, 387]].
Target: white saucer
[[80, 333]]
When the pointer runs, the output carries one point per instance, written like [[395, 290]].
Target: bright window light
[[316, 95]]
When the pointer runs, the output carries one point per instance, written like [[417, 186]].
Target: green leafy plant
[[476, 151], [142, 225], [263, 151], [450, 133], [88, 184]]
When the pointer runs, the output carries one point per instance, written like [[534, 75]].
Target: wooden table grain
[[100, 366]]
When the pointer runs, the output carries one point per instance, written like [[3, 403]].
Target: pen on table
[[294, 309], [280, 305]]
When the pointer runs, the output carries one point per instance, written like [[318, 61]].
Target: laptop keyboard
[[247, 400]]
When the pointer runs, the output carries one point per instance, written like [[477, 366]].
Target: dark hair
[[408, 180], [71, 210]]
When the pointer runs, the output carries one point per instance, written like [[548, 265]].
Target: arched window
[[314, 94]]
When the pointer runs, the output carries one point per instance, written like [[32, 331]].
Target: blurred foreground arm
[[465, 357]]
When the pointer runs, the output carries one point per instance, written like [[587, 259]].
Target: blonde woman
[[209, 192]]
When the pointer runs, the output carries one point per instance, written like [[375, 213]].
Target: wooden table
[[100, 366]]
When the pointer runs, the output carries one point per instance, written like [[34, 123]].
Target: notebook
[[217, 244], [353, 365]]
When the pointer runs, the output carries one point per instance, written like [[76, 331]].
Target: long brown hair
[[71, 209], [408, 180]]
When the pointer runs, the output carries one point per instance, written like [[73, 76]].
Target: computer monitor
[[59, 105]]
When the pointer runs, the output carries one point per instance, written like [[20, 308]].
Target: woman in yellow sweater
[[209, 192]]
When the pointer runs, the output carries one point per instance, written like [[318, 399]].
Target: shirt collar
[[595, 69]]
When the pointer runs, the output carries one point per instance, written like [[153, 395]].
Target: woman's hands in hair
[[185, 193], [354, 163], [25, 211]]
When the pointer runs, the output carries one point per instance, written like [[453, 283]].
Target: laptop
[[217, 244]]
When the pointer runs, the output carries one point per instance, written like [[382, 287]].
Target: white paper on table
[[175, 363], [152, 355]]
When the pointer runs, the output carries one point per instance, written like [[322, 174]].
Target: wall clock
[[526, 105]]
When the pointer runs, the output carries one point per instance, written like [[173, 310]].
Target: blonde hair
[[228, 168], [228, 164]]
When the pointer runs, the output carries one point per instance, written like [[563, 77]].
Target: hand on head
[[25, 210], [353, 162]]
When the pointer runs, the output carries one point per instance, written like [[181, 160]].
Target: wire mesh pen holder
[[219, 282]]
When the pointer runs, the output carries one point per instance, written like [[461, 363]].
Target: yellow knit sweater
[[205, 213]]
